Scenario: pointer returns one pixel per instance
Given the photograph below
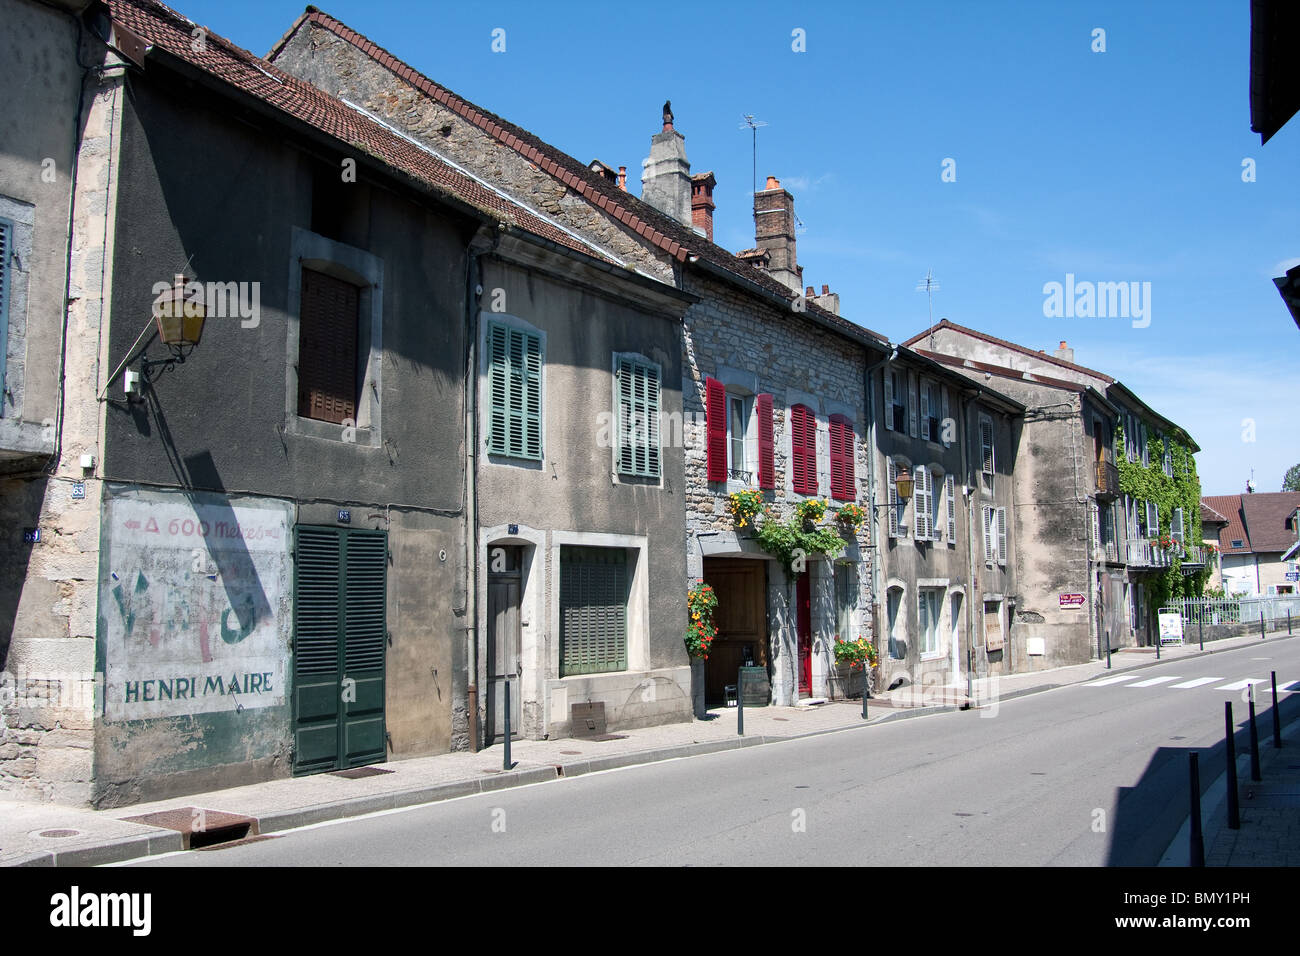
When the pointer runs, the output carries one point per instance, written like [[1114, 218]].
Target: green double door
[[339, 645]]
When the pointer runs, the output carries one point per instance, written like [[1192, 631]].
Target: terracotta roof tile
[[1258, 520]]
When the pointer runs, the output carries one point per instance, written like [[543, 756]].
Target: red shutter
[[843, 485], [803, 448], [766, 446], [715, 415]]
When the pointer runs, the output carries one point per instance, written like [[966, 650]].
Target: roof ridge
[[949, 324]]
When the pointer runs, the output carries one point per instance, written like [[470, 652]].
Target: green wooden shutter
[[638, 418], [593, 610], [6, 253], [514, 392]]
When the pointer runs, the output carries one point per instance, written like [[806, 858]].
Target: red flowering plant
[[856, 654], [701, 602]]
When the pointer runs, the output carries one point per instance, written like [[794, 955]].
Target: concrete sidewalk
[[40, 834]]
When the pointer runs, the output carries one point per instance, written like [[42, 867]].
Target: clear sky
[[1117, 166]]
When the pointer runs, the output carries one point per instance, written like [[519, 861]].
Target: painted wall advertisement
[[195, 603]]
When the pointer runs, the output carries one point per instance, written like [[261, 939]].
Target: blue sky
[[1115, 166]]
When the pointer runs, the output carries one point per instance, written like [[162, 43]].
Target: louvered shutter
[[986, 447], [514, 392], [950, 493], [366, 599], [843, 481], [988, 533], [6, 253], [921, 502], [498, 389], [1095, 519], [1153, 520], [638, 417], [1002, 536], [1176, 530], [715, 419], [766, 444], [892, 470], [1146, 454], [593, 610], [923, 618], [803, 449], [889, 400], [327, 348], [947, 417], [925, 411], [911, 404]]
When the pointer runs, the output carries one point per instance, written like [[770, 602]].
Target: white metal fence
[[1244, 610]]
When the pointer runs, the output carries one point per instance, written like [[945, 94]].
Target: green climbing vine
[[1181, 490]]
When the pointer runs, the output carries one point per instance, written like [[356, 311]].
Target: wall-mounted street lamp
[[179, 316], [902, 486]]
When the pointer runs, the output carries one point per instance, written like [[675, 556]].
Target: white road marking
[[1242, 684], [1155, 680], [1196, 683], [1110, 680]]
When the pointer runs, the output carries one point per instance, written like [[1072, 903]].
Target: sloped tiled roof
[[1041, 356], [1258, 520], [664, 232], [163, 28]]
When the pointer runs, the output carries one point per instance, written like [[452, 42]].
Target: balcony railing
[[1107, 480], [1143, 554], [1193, 557]]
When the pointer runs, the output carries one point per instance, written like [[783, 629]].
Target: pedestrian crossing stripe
[[1118, 678], [1242, 684], [1154, 680], [1199, 682], [1291, 688]]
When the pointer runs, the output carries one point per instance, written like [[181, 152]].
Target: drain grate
[[355, 773], [200, 828]]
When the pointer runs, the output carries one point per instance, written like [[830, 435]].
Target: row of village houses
[[464, 411]]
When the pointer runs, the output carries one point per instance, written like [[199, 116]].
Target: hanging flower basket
[[701, 601], [850, 517], [743, 505]]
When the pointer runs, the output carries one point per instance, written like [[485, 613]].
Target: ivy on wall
[[1181, 490]]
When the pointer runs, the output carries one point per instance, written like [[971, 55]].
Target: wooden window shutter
[[1153, 520], [911, 403], [6, 253], [843, 481], [498, 388], [892, 470], [950, 493], [593, 610], [715, 418], [803, 449], [1176, 525], [532, 391], [943, 425], [766, 443], [889, 399], [514, 392], [921, 503], [987, 512], [638, 418], [925, 411], [327, 348], [1002, 536]]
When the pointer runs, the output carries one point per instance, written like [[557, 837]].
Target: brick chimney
[[702, 203], [622, 178], [1065, 353], [666, 175], [828, 300], [774, 233]]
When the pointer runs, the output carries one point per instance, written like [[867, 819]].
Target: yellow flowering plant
[[855, 653], [701, 601], [812, 509], [743, 505]]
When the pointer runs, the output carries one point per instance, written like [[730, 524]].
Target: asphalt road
[[1077, 776]]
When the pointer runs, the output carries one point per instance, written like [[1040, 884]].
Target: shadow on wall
[[20, 511]]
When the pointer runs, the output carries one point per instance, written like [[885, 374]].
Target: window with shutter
[[593, 610], [987, 513], [898, 410], [327, 348], [766, 444], [843, 481], [6, 253], [638, 418], [1002, 535], [911, 404], [1176, 528], [925, 411], [889, 401], [515, 392], [987, 463], [895, 517], [1153, 520], [921, 493], [950, 494], [803, 449], [945, 435], [715, 417]]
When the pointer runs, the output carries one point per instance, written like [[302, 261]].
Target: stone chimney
[[666, 175], [1064, 353], [774, 233], [828, 300], [702, 203], [622, 178]]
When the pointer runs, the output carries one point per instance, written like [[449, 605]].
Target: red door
[[804, 622]]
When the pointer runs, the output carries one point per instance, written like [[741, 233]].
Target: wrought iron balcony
[[1107, 480]]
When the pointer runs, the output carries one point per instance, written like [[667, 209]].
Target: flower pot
[[848, 682], [698, 707]]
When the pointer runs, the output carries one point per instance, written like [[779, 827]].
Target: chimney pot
[[622, 178], [1062, 343], [773, 183], [826, 290]]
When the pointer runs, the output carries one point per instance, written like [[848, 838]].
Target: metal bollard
[[740, 703], [1198, 838], [505, 762], [866, 679], [1158, 643], [1288, 622], [1108, 650], [1254, 740], [1277, 718], [1234, 812], [1261, 625], [1200, 628]]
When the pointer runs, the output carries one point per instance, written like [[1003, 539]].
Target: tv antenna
[[752, 125], [929, 285]]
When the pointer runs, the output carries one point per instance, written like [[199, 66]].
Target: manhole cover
[[57, 834], [355, 773]]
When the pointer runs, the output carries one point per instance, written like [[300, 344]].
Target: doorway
[[740, 585], [504, 661], [803, 599]]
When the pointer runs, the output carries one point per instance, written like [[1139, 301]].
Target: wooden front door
[[740, 585], [503, 663], [803, 599]]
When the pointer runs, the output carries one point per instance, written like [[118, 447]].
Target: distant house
[[1260, 542]]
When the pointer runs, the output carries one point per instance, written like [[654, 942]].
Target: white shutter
[[889, 400], [924, 506], [986, 448], [893, 497], [987, 512], [950, 492], [943, 425], [1002, 536], [925, 411], [923, 618], [1153, 520], [1096, 528], [911, 403], [1146, 457], [1176, 531]]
